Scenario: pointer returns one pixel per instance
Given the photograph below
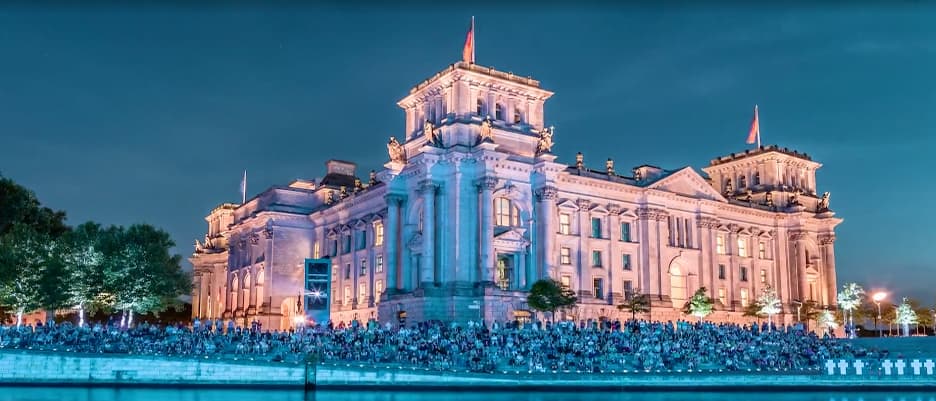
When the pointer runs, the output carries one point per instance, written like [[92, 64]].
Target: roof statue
[[545, 143], [487, 131], [823, 203], [396, 151]]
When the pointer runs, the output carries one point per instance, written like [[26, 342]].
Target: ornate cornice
[[547, 193], [798, 235], [707, 222], [826, 239], [427, 186], [614, 209], [651, 213], [487, 183], [583, 204]]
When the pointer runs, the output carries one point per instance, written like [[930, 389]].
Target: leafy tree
[[849, 299], [84, 261], [700, 305], [636, 303], [24, 255], [808, 310], [905, 316], [753, 310], [769, 304], [19, 205], [826, 321], [547, 295]]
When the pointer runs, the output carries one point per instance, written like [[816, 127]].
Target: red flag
[[754, 134], [468, 51]]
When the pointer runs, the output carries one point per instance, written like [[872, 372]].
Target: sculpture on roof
[[358, 185], [545, 143], [794, 198], [208, 244], [330, 197], [198, 247], [824, 203], [749, 195], [637, 175], [396, 151], [430, 132], [768, 199], [609, 166], [487, 130], [344, 192], [579, 160], [373, 178]]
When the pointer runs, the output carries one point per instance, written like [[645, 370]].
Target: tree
[[140, 275], [769, 304], [636, 303], [700, 305], [849, 299], [547, 295], [905, 316], [753, 310], [19, 205], [826, 321], [23, 258], [807, 311], [84, 262]]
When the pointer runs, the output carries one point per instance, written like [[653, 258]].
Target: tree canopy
[[637, 302], [700, 305], [547, 295]]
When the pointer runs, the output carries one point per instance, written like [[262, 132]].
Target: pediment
[[687, 182], [514, 235], [568, 204], [599, 209]]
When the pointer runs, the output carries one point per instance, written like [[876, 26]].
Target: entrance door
[[504, 269], [677, 286]]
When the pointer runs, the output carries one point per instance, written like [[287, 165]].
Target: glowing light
[[879, 296]]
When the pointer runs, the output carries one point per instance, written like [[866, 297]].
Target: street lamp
[[878, 297]]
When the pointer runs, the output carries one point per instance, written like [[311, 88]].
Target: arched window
[[506, 214], [756, 180], [479, 108], [499, 112], [235, 288], [259, 289], [741, 182], [246, 296], [517, 116]]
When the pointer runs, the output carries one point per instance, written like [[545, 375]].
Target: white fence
[[898, 368]]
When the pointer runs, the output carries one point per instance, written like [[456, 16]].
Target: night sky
[[125, 115]]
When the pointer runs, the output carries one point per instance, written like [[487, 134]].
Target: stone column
[[584, 265], [799, 239], [391, 243], [547, 214], [198, 288], [827, 243], [486, 252], [428, 190]]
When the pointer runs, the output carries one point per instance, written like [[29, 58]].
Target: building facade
[[472, 208]]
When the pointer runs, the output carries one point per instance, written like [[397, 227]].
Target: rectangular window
[[334, 247], [502, 212], [688, 236], [723, 296], [565, 224], [347, 295], [720, 244], [378, 234], [743, 273], [362, 293], [378, 264], [763, 276], [742, 247], [672, 233], [347, 244], [596, 227], [744, 298], [361, 240], [566, 281], [721, 272], [628, 289], [347, 271], [363, 267], [761, 250], [599, 287], [317, 250], [596, 258], [625, 232], [378, 290], [565, 256], [626, 261]]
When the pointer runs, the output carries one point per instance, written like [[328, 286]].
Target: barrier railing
[[898, 368]]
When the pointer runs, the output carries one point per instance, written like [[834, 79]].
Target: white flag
[[244, 188]]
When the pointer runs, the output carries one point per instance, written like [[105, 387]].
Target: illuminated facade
[[472, 208]]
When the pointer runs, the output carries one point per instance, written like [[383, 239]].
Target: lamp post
[[878, 297]]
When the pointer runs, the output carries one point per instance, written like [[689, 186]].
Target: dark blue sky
[[126, 115]]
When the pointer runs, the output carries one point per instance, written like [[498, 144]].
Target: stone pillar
[[584, 265], [486, 252], [428, 191], [827, 243], [395, 279], [547, 214], [198, 288], [799, 239]]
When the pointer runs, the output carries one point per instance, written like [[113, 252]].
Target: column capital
[[707, 222], [652, 213], [614, 209], [394, 199], [799, 235], [427, 186], [486, 183], [583, 204], [827, 239], [547, 193]]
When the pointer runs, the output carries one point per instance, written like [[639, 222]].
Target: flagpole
[[758, 126], [474, 40]]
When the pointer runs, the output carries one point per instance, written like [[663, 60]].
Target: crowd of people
[[588, 346]]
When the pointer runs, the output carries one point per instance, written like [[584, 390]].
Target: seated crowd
[[590, 347]]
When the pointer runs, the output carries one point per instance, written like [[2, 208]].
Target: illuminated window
[[347, 295], [565, 223], [378, 290], [598, 287], [378, 233], [742, 247], [720, 244], [565, 256], [499, 112], [505, 213], [722, 296], [761, 250], [626, 232], [362, 293], [378, 264], [565, 281], [596, 258], [763, 276], [744, 298], [626, 261], [317, 251]]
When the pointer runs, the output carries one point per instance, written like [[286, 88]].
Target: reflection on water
[[110, 394]]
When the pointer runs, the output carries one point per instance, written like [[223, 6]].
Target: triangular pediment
[[568, 204], [510, 235], [688, 183]]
